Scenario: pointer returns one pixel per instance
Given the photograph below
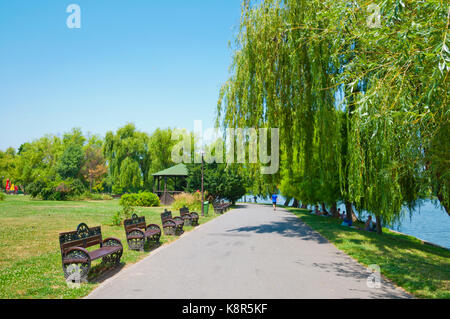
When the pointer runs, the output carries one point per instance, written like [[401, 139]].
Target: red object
[[7, 184]]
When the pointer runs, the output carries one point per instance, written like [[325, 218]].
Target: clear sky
[[154, 63]]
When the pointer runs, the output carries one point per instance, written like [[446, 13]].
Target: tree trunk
[[295, 203], [349, 211], [333, 210], [441, 200], [324, 209], [379, 226], [286, 203]]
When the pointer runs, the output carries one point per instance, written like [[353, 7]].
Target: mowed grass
[[420, 269], [30, 258]]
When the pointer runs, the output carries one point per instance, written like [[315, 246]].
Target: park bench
[[137, 232], [220, 208], [172, 226], [76, 259], [217, 208], [226, 206], [189, 218]]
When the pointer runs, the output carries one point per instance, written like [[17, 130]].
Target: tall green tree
[[160, 150], [290, 59], [127, 153], [220, 181], [70, 162]]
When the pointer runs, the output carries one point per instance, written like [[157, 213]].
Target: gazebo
[[179, 172]]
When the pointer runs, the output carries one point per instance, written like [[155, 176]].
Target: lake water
[[428, 222]]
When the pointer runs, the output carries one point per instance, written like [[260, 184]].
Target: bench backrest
[[134, 222], [184, 211], [166, 215], [82, 237]]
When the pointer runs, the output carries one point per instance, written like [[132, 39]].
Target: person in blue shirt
[[274, 201], [346, 222]]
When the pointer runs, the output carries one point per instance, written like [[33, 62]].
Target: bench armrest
[[76, 248], [153, 226], [169, 223], [83, 255], [178, 218], [111, 241], [131, 230]]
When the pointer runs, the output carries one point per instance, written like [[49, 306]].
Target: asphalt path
[[249, 252]]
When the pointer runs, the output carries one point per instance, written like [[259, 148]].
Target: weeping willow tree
[[383, 147], [393, 123], [128, 158]]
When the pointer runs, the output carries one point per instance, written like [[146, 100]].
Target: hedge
[[145, 199]]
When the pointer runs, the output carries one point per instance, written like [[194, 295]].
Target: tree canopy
[[385, 144]]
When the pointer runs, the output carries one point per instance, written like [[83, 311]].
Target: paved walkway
[[250, 252]]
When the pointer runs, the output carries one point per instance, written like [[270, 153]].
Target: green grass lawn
[[420, 269], [30, 259]]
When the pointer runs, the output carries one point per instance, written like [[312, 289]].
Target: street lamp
[[203, 200]]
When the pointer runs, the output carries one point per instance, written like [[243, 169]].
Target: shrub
[[91, 196], [76, 187], [56, 190], [144, 199], [192, 201], [122, 214], [2, 197], [117, 189], [105, 197], [34, 189]]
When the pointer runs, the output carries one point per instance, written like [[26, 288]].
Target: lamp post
[[203, 200]]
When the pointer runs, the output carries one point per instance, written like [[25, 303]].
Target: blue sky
[[151, 62]]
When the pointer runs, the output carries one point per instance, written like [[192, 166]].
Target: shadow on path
[[289, 227], [101, 272]]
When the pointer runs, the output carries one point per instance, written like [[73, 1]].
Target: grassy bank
[[30, 259], [420, 269]]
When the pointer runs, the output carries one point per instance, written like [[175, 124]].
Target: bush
[[117, 190], [105, 197], [91, 196], [56, 190], [34, 189], [192, 201], [2, 197], [144, 199], [120, 215]]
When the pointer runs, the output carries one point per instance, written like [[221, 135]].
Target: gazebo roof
[[177, 170]]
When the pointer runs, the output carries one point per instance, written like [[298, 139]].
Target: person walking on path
[[274, 201]]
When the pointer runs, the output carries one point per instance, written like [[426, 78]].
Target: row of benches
[[76, 259], [221, 207]]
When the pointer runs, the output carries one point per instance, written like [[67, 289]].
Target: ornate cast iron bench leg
[[136, 239], [76, 265], [113, 258], [155, 238], [195, 218], [169, 228]]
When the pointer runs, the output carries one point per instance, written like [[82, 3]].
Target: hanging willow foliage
[[387, 144]]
